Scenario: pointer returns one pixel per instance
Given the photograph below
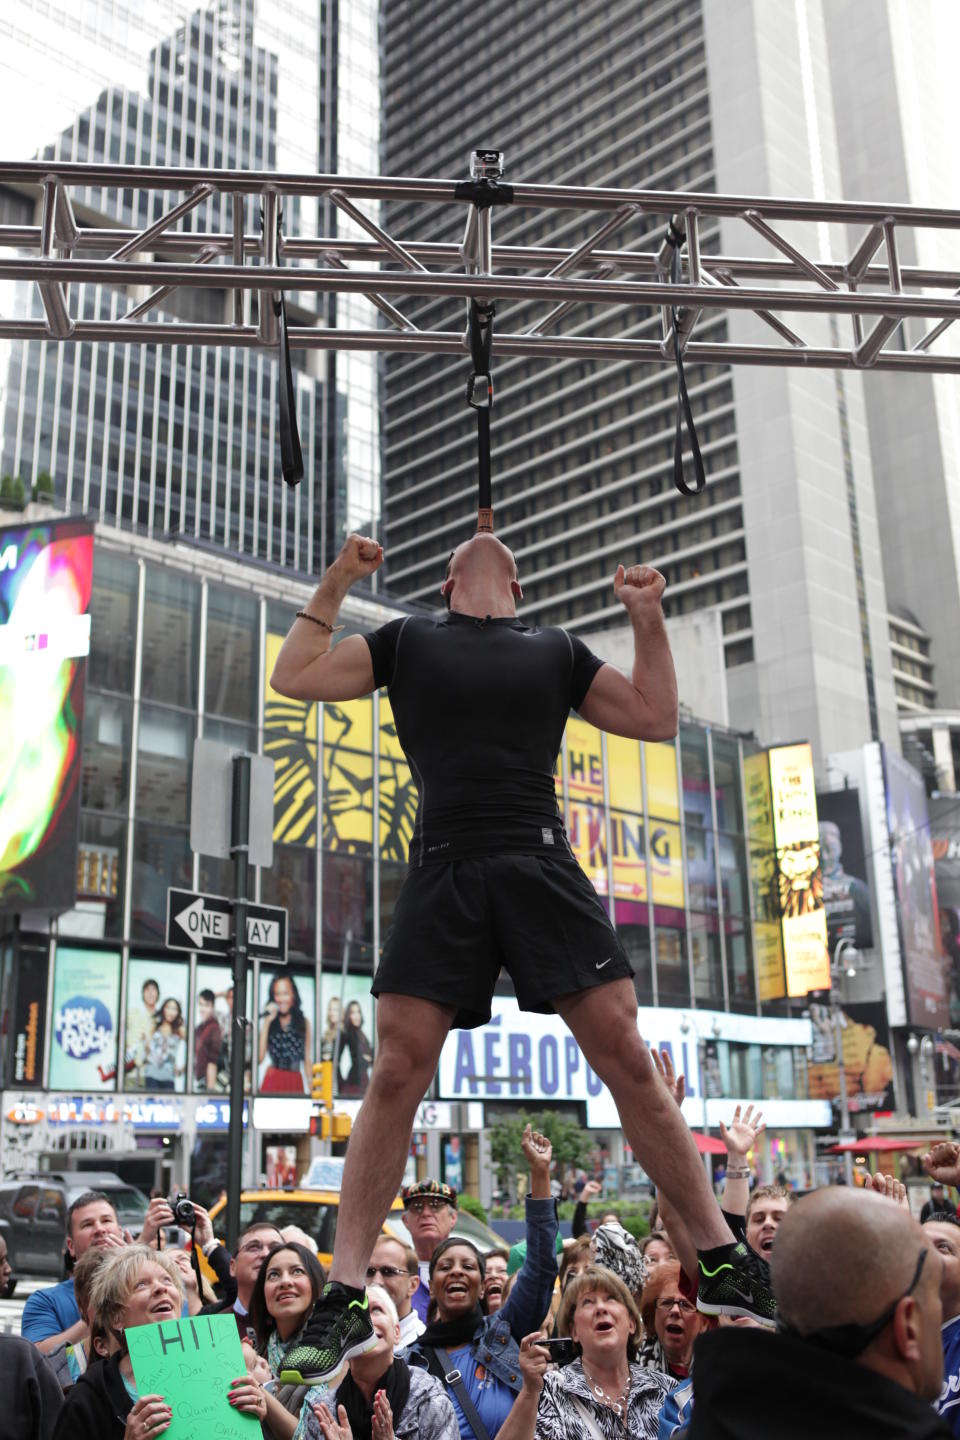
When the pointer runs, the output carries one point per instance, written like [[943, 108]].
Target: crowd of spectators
[[510, 1345]]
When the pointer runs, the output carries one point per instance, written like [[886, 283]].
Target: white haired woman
[[381, 1397], [135, 1285], [603, 1392]]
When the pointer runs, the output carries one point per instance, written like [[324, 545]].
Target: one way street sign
[[202, 923]]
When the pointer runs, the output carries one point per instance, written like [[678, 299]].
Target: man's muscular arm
[[306, 668], [645, 706]]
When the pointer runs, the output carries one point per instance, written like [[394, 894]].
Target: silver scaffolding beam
[[872, 290]]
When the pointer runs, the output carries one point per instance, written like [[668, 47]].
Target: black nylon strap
[[684, 412], [448, 1371], [291, 456], [480, 398]]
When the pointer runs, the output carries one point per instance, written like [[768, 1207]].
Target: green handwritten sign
[[191, 1362]]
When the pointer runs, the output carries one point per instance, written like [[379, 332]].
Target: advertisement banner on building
[[24, 1064], [911, 851], [46, 573], [285, 1026], [768, 939], [945, 838], [803, 918], [846, 894], [867, 1062], [83, 1047], [347, 1034], [156, 1045]]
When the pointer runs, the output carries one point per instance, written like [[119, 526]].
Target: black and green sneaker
[[338, 1329], [735, 1281]]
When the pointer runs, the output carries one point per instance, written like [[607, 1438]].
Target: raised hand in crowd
[[675, 1083], [158, 1217], [739, 1137], [539, 1152], [534, 1361], [942, 1163], [889, 1186]]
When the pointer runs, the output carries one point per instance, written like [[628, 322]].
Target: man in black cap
[[429, 1213], [938, 1204]]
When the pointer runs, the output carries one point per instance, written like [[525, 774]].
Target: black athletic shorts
[[456, 923]]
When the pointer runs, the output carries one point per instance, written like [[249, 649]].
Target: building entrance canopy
[[789, 273]]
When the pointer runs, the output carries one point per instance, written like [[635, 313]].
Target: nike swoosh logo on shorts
[[601, 963]]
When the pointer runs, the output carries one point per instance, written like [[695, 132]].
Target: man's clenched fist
[[639, 589], [359, 556]]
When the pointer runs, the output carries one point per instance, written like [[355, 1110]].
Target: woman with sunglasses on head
[[603, 1394], [290, 1282], [381, 1397], [482, 1351]]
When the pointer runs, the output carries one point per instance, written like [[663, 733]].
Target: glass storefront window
[[101, 867], [155, 1052], [292, 882], [726, 778], [113, 621], [285, 1010], [106, 753], [171, 634], [696, 777], [707, 964], [701, 870], [733, 875], [348, 906], [586, 822], [740, 971], [673, 975], [233, 653], [161, 857], [83, 1041], [164, 765], [348, 775]]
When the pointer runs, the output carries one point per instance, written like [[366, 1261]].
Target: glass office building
[[183, 644], [183, 439]]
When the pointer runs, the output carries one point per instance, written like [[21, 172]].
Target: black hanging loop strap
[[480, 398], [291, 455], [675, 238]]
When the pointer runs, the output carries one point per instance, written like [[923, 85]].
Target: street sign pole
[[239, 850]]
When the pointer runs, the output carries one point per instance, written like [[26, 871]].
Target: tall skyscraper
[[783, 544], [182, 440]]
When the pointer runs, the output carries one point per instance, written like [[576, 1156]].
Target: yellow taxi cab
[[314, 1206]]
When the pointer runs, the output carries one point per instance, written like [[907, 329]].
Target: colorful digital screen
[[803, 918], [911, 853], [46, 573], [764, 878]]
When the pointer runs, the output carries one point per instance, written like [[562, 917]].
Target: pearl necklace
[[617, 1403]]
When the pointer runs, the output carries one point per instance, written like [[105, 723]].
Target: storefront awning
[[707, 1145], [873, 1144]]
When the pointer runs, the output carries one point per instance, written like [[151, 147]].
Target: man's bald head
[[841, 1257], [845, 1258], [482, 567]]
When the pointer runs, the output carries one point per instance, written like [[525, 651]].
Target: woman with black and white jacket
[[601, 1393]]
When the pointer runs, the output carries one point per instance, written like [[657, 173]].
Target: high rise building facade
[[783, 544], [182, 440]]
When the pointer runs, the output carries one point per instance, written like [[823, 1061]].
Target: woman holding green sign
[[137, 1298]]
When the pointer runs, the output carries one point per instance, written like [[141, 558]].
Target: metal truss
[[872, 292]]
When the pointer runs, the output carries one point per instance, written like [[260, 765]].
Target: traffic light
[[330, 1127], [321, 1084]]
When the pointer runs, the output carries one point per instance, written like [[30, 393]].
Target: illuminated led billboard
[[802, 915], [45, 577]]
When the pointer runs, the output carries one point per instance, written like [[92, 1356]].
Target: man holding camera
[[51, 1317]]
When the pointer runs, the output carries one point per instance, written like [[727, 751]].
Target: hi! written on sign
[[191, 1363], [202, 923]]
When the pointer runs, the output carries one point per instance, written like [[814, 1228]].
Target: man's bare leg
[[604, 1023], [410, 1036]]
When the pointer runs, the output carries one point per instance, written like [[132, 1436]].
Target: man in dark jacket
[[34, 1399], [857, 1285]]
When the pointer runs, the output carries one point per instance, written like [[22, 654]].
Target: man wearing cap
[[938, 1204], [429, 1213]]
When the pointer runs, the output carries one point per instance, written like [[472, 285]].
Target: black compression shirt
[[480, 708]]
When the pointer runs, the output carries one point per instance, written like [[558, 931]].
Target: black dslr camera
[[183, 1211]]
